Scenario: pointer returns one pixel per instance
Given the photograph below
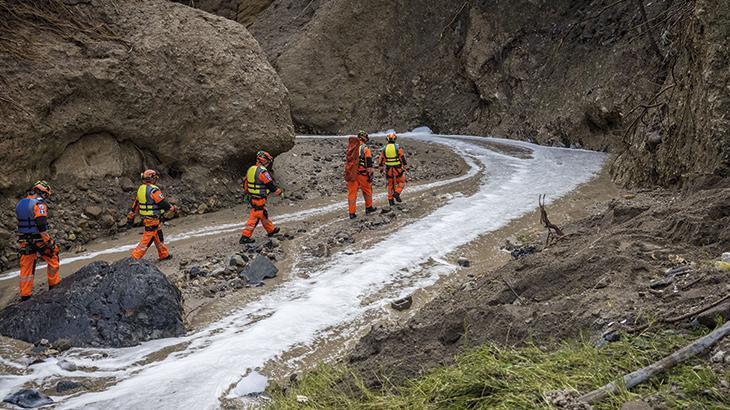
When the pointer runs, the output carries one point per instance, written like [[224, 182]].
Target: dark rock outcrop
[[101, 305]]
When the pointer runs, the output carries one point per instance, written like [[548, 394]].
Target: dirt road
[[326, 291]]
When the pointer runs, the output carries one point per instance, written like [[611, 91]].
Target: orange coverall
[[150, 203], [363, 182], [396, 174], [32, 244], [258, 183]]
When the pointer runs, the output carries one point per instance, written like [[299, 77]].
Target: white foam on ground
[[233, 227], [211, 362]]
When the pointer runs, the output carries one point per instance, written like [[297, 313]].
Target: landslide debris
[[595, 283]]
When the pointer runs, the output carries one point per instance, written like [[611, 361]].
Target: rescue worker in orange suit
[[393, 162], [34, 240], [151, 204], [257, 185], [364, 180]]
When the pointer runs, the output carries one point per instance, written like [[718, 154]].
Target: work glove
[[279, 192], [130, 223], [370, 177], [173, 210]]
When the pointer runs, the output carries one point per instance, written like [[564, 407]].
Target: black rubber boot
[[24, 298], [397, 198], [391, 202], [167, 257], [245, 240], [274, 232], [370, 210], [353, 216]]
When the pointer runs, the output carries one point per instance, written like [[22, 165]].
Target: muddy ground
[[311, 174], [606, 275], [308, 183]]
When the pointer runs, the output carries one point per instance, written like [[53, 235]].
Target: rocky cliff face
[[94, 92], [559, 72], [681, 134]]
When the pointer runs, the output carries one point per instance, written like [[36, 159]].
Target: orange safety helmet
[[41, 187], [391, 137], [150, 175], [264, 157], [363, 136]]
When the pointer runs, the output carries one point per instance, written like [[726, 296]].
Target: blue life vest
[[25, 212]]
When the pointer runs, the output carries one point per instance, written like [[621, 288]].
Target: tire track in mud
[[206, 366]]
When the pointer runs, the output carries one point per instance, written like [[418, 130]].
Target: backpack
[[352, 157]]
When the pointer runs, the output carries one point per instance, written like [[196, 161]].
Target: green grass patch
[[494, 377]]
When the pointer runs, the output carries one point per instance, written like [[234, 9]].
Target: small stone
[[464, 262], [108, 221], [93, 211], [236, 260], [218, 271], [38, 349], [28, 399], [66, 385], [66, 365], [261, 268], [202, 208], [71, 236], [197, 272], [718, 357], [62, 345], [402, 304]]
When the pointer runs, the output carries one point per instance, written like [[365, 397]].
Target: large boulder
[[104, 88], [101, 305]]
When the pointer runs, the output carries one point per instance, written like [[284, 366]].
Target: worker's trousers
[[152, 235], [364, 184], [29, 250], [258, 214]]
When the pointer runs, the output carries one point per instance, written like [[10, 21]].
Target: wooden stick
[[698, 310], [640, 376], [512, 289]]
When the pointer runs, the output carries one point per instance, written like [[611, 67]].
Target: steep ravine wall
[[557, 72]]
